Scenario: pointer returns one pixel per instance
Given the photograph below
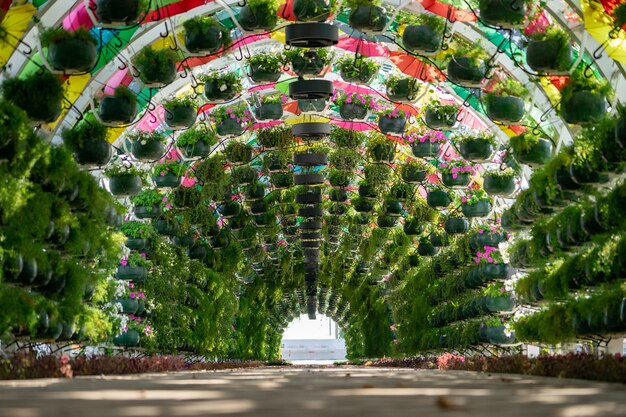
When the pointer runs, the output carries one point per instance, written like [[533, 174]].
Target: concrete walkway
[[315, 392]]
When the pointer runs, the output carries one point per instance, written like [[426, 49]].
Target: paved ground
[[304, 392]]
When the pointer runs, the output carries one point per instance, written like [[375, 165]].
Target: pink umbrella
[[363, 47], [115, 81], [354, 88], [358, 126]]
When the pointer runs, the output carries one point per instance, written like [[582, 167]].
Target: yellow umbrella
[[599, 24], [15, 23]]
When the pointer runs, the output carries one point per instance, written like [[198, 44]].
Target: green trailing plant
[[154, 64], [359, 99], [280, 158], [184, 101], [475, 52], [136, 230], [55, 35], [444, 111], [173, 167], [237, 151], [223, 79], [425, 19], [125, 92], [339, 178], [33, 88], [472, 136], [144, 136], [324, 54], [524, 143], [506, 173], [579, 81], [391, 82], [147, 198], [85, 131], [354, 65], [199, 24], [268, 60], [274, 99], [556, 34], [279, 137], [507, 87], [353, 4], [346, 138], [193, 136], [496, 290], [474, 196], [241, 113], [619, 14], [117, 169], [392, 113], [377, 175], [344, 159], [378, 141]]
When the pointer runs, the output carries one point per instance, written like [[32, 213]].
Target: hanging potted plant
[[476, 147], [354, 106], [454, 225], [423, 33], [270, 107], [148, 203], [584, 99], [355, 68], [345, 159], [426, 145], [205, 35], [118, 109], [196, 143], [340, 179], [120, 12], [230, 210], [381, 149], [487, 236], [500, 182], [402, 192], [266, 66], [69, 51], [124, 180], [313, 10], [39, 96], [88, 142], [401, 89], [550, 50], [476, 203], [530, 149], [439, 116], [415, 171], [455, 173], [425, 248], [377, 177], [467, 66], [392, 208], [504, 13], [180, 113], [230, 120], [347, 138], [277, 161], [277, 137], [168, 174], [137, 234], [367, 15], [312, 105], [493, 331], [311, 62], [157, 68], [147, 146], [413, 226], [386, 222], [133, 267], [244, 175], [221, 86], [166, 227], [238, 153], [491, 266], [438, 197], [259, 15], [281, 180], [392, 121], [506, 101]]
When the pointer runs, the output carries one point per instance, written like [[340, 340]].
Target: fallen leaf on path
[[447, 404]]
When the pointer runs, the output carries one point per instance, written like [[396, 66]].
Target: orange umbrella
[[446, 10], [416, 68]]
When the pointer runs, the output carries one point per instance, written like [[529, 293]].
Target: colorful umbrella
[[600, 25], [363, 47], [416, 68]]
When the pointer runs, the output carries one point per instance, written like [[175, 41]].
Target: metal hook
[[588, 73], [135, 71], [167, 30]]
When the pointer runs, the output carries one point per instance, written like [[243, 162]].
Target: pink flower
[[349, 100], [131, 285], [123, 262], [132, 295], [132, 317], [232, 115], [162, 173], [490, 259], [168, 205], [142, 254], [480, 231], [477, 260], [463, 199], [502, 289], [164, 199], [455, 176]]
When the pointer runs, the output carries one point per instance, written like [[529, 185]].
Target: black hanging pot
[[390, 125], [542, 55], [438, 121], [351, 111], [255, 192], [313, 66], [477, 150], [282, 180], [393, 208], [217, 91], [440, 240], [368, 18], [125, 184], [199, 149], [620, 132], [28, 271], [75, 55], [310, 197], [413, 227], [503, 13], [184, 241], [269, 111], [463, 71], [311, 10], [136, 243], [306, 159], [506, 109], [93, 152], [495, 335], [338, 195], [421, 38], [145, 212], [382, 153], [197, 252], [583, 107], [500, 186], [590, 221], [129, 305], [539, 154], [314, 105], [427, 249], [180, 117], [150, 151], [311, 130], [586, 175], [367, 191], [461, 180], [134, 273], [456, 225], [405, 91], [478, 241], [229, 127], [257, 18], [438, 198], [206, 42], [118, 11], [563, 178], [262, 75], [386, 222], [308, 179], [127, 339], [168, 180], [490, 272], [166, 227], [117, 110], [480, 209], [311, 89], [425, 149], [413, 176]]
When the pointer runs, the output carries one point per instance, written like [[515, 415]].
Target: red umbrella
[[362, 47], [413, 67], [444, 10]]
